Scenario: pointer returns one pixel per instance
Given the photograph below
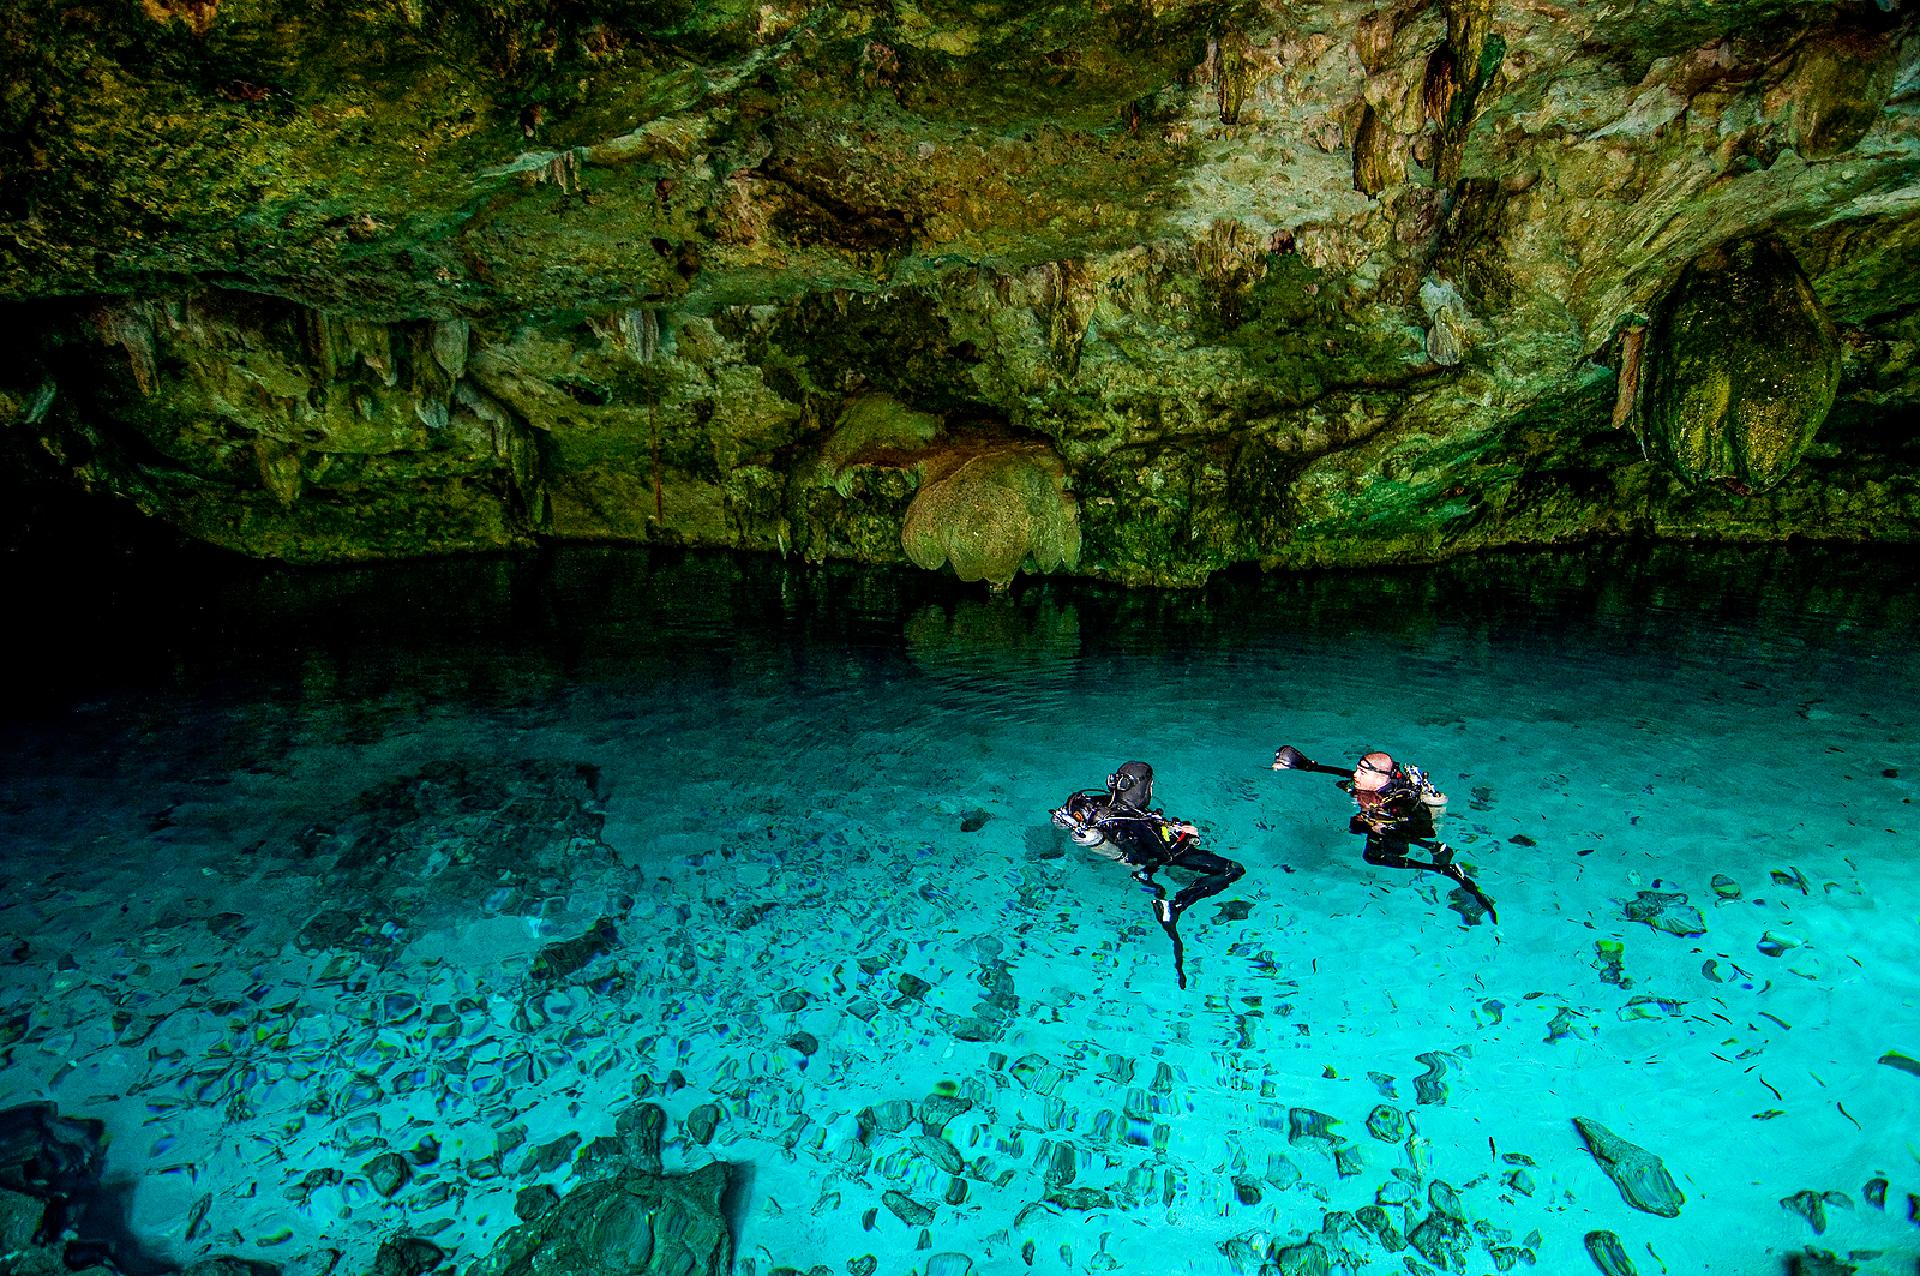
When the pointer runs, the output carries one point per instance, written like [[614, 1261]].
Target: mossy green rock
[[1743, 369], [988, 513], [1135, 291]]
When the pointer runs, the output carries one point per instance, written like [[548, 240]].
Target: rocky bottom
[[763, 957]]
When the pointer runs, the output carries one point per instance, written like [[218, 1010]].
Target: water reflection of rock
[[1003, 639]]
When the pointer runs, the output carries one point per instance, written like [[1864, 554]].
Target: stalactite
[[1631, 341]]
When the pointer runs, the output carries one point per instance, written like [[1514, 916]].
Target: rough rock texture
[[1332, 282], [988, 512], [1640, 1175], [1745, 367], [1609, 1255], [631, 1224]]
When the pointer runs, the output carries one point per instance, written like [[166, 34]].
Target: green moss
[[1742, 367], [1296, 334], [874, 425], [989, 512]]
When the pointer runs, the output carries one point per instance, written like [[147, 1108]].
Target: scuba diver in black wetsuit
[[1121, 825], [1398, 806]]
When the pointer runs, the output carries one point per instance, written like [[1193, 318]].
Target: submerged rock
[[1303, 1259], [906, 1209], [1431, 1085], [1666, 911], [1442, 1240], [1819, 1262], [631, 1222], [568, 957], [1812, 1206], [1387, 1123], [407, 1256], [1608, 1255], [1640, 1175], [1307, 1124], [388, 1173]]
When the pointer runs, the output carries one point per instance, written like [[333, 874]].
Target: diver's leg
[[1217, 873], [1392, 853], [1444, 865], [1144, 874]]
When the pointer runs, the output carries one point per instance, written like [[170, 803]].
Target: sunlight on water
[[293, 890]]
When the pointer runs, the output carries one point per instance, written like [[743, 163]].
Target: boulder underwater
[[633, 1223], [1641, 1176]]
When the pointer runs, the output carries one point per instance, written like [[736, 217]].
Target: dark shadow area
[[129, 615]]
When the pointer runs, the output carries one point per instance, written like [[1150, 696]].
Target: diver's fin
[[1170, 922]]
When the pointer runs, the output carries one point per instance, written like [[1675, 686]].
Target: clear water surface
[[293, 861]]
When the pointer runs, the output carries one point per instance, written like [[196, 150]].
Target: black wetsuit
[[1147, 842], [1396, 823]]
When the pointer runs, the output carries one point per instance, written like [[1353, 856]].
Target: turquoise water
[[257, 837]]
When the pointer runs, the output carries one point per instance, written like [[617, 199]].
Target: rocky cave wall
[[1135, 289]]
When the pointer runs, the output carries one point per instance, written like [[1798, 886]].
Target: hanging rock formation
[[989, 512], [1744, 368]]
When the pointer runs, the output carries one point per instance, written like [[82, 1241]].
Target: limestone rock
[[19, 1220], [1743, 367], [1307, 1124], [1812, 1206], [989, 512], [875, 429], [641, 1129], [529, 1203], [1667, 911], [1188, 251], [702, 1121], [1304, 1259], [43, 1153], [388, 1173], [1431, 1086], [1640, 1175], [1442, 1240], [406, 1256], [626, 1225], [1819, 1262], [1387, 1123], [1609, 1255], [906, 1209], [569, 956]]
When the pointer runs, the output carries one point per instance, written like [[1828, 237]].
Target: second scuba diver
[[1121, 824], [1397, 807]]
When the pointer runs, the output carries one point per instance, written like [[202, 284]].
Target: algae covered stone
[[873, 429], [988, 512], [629, 1224], [1744, 365]]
